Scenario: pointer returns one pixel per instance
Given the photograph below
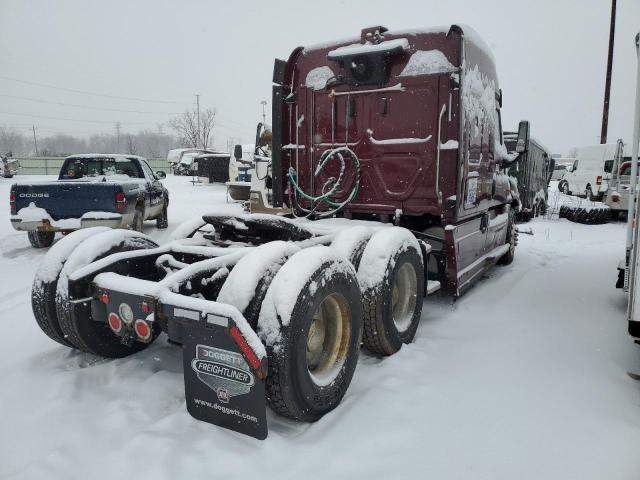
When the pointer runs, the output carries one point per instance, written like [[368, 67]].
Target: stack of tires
[[589, 215]]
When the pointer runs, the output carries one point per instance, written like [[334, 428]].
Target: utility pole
[[264, 115], [198, 113], [35, 141], [118, 136], [607, 86]]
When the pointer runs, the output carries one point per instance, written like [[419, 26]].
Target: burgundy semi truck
[[399, 134]]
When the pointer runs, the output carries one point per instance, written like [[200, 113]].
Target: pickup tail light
[[599, 180], [12, 201], [615, 198], [121, 200]]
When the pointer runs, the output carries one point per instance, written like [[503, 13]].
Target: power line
[[85, 106], [111, 122], [83, 92]]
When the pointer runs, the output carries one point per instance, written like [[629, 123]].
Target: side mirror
[[161, 174], [237, 152], [523, 136]]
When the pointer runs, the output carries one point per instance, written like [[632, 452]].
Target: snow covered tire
[[84, 333], [588, 216], [45, 283], [392, 306], [314, 355]]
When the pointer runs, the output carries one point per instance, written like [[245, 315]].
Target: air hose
[[330, 187]]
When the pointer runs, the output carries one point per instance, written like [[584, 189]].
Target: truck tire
[[163, 220], [392, 275], [84, 333], [511, 240], [40, 239], [311, 322], [45, 283], [589, 216], [351, 242], [563, 187], [248, 282]]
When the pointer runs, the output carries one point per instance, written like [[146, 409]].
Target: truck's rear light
[[12, 200], [146, 308], [115, 323], [599, 180], [143, 330], [104, 298], [121, 200], [615, 198], [251, 357]]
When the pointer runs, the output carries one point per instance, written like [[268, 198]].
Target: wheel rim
[[404, 296], [328, 339]]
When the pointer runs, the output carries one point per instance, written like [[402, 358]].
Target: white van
[[591, 171]]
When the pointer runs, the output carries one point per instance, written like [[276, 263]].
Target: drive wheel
[[393, 303], [313, 350]]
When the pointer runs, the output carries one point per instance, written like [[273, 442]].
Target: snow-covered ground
[[524, 377]]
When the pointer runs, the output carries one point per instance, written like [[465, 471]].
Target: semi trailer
[[387, 182]]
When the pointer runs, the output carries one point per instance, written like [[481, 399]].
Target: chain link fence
[[51, 165]]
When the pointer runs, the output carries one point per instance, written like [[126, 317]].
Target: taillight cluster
[[12, 201], [123, 321], [599, 180], [121, 200]]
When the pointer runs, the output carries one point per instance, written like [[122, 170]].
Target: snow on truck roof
[[118, 157], [468, 33]]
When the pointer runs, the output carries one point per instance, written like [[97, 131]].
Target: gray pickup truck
[[116, 191]]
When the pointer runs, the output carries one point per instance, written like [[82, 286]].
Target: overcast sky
[[551, 59]]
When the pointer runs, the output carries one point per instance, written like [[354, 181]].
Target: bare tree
[[11, 141], [186, 126], [573, 152], [131, 145]]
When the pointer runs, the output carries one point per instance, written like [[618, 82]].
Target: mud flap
[[220, 386]]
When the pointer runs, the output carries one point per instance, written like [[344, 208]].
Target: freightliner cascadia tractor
[[388, 182]]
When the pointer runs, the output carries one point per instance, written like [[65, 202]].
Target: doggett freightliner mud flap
[[223, 376]]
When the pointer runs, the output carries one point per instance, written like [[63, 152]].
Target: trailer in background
[[628, 269], [533, 172]]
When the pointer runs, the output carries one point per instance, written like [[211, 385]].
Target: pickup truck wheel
[[45, 283], [40, 239], [85, 333], [138, 220], [313, 342], [163, 220], [392, 302]]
